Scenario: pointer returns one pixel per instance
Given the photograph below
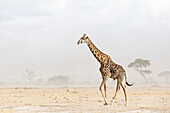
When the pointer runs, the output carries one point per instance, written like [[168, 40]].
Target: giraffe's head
[[83, 39]]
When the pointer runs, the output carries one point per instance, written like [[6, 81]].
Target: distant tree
[[138, 66], [30, 75], [165, 74]]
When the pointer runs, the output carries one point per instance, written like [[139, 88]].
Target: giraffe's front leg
[[117, 90], [105, 90], [100, 88]]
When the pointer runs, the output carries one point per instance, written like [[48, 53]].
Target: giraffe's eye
[[82, 41]]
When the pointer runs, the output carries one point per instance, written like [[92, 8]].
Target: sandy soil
[[83, 100]]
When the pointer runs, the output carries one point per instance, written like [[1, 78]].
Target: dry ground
[[83, 100]]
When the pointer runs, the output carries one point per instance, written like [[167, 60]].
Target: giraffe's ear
[[86, 37]]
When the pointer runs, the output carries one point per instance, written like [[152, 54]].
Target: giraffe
[[108, 69]]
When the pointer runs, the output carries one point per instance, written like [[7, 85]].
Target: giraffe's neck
[[96, 52]]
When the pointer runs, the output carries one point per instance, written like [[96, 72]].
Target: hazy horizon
[[42, 35]]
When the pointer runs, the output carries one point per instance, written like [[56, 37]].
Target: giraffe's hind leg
[[125, 93], [122, 83]]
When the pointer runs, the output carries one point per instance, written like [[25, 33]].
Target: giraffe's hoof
[[106, 104], [112, 102]]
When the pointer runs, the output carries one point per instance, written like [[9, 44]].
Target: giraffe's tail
[[129, 84], [126, 81]]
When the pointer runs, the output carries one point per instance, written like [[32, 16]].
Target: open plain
[[83, 100]]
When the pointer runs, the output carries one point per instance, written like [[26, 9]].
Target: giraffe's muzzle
[[78, 42]]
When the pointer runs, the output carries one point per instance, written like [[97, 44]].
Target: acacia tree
[[165, 74], [138, 66], [30, 75]]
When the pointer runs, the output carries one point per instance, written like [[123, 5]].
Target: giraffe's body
[[105, 61], [108, 68]]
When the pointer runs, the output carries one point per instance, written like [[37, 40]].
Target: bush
[[58, 80]]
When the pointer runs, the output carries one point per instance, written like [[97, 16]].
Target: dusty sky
[[42, 35]]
